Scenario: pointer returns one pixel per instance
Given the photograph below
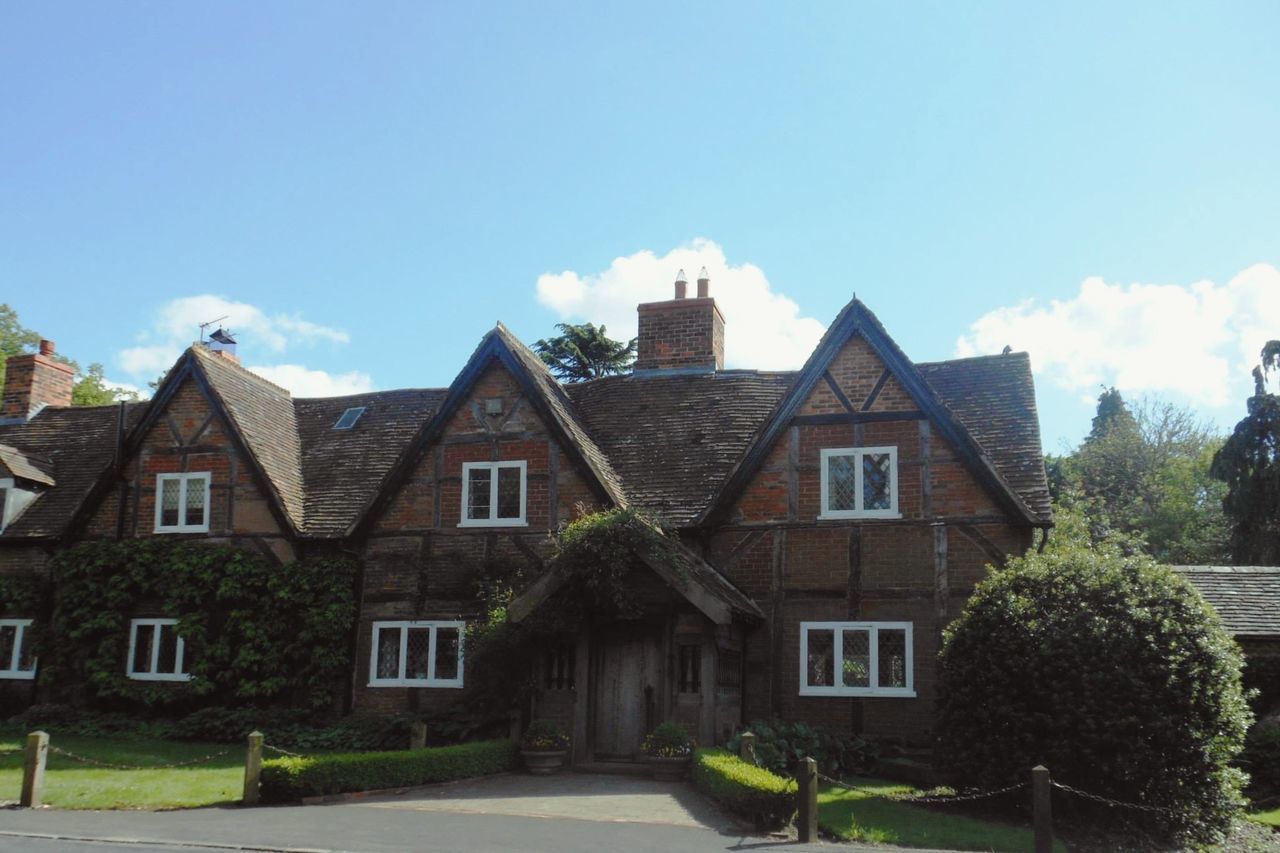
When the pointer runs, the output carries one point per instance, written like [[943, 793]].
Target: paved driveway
[[576, 796], [566, 813]]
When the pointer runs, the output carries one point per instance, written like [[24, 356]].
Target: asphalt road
[[351, 827]]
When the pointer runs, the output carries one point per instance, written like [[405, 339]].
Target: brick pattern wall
[[189, 437], [419, 564], [680, 333], [799, 568]]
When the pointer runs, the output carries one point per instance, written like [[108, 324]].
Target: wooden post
[[807, 819], [747, 748], [33, 770], [417, 734], [1042, 808], [513, 722], [252, 769]]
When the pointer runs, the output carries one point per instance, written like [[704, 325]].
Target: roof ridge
[[204, 353], [995, 356]]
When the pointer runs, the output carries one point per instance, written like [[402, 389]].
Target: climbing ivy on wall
[[254, 631]]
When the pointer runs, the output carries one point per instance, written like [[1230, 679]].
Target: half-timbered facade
[[831, 520]]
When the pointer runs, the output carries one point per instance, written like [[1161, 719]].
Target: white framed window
[[493, 494], [182, 503], [860, 482], [15, 650], [13, 500], [416, 654], [156, 651], [856, 659]]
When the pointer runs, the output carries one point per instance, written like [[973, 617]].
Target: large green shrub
[[1261, 758], [1109, 670], [254, 631], [750, 791], [288, 779]]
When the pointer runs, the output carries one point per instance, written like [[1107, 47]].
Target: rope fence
[[1041, 785]]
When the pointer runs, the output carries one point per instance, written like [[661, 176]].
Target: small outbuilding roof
[[1246, 597]]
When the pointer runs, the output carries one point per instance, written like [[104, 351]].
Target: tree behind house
[[1249, 464], [584, 351]]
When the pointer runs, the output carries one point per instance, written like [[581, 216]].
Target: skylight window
[[349, 418]]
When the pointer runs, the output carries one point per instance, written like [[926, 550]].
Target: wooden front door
[[626, 686]]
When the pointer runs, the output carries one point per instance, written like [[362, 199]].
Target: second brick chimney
[[682, 334], [35, 380]]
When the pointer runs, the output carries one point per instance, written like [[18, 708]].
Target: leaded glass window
[[16, 660], [860, 482], [493, 493], [157, 651], [416, 654], [182, 503], [874, 659]]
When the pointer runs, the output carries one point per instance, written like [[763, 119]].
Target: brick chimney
[[682, 334], [35, 380]]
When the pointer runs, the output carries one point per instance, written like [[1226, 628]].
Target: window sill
[[405, 682], [892, 693], [856, 516], [499, 522], [204, 529], [159, 676], [18, 675]]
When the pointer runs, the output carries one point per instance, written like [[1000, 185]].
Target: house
[[1248, 600], [832, 520]]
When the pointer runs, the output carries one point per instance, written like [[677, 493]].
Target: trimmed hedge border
[[743, 788], [290, 779]]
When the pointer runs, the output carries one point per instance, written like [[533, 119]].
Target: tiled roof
[[563, 410], [668, 443], [674, 439], [994, 396], [37, 469], [1246, 597], [342, 468], [79, 444]]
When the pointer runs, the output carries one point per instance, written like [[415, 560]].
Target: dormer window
[[182, 503], [349, 418], [15, 496], [860, 482], [493, 494]]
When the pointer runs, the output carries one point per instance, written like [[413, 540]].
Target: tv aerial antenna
[[206, 325]]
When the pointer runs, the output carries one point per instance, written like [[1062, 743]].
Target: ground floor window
[[156, 651], [560, 665], [689, 673], [15, 650], [416, 654], [856, 659]]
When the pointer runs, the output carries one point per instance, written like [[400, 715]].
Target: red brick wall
[[680, 333]]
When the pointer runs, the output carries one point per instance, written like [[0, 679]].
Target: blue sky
[[368, 187]]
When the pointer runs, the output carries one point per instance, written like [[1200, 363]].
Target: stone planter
[[543, 763], [668, 769]]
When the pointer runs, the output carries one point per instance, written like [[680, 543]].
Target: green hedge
[[743, 788], [289, 779]]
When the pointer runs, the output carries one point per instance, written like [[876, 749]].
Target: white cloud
[[176, 325], [1199, 340], [763, 328], [303, 382]]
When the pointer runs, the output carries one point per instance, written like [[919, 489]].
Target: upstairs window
[[156, 651], [15, 650], [182, 503], [856, 659], [860, 482], [416, 654], [493, 494]]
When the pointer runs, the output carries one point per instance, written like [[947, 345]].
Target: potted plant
[[543, 746], [668, 749]]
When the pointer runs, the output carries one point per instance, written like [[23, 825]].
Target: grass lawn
[[71, 785], [1270, 818], [859, 816]]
